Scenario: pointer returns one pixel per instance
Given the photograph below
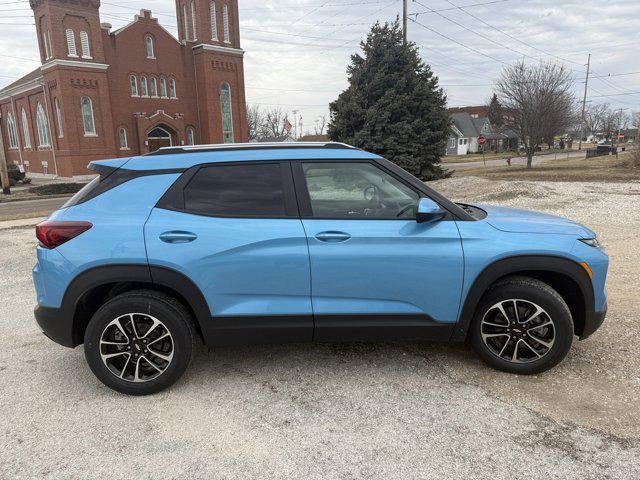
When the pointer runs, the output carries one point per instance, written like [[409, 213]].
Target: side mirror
[[429, 211]]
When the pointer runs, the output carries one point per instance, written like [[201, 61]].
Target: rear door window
[[255, 190]]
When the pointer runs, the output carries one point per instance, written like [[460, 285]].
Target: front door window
[[158, 138], [357, 190]]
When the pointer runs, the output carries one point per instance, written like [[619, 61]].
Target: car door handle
[[333, 237], [178, 236]]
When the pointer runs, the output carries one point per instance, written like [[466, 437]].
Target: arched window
[[122, 139], [86, 106], [225, 107], [148, 40], [214, 24], [47, 45], [144, 91], [25, 130], [134, 85], [193, 20], [56, 104], [191, 136], [185, 22], [154, 86], [43, 127], [172, 88], [71, 43], [12, 133], [163, 87], [225, 22], [84, 43]]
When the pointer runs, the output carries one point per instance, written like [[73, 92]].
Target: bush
[[57, 188], [634, 158]]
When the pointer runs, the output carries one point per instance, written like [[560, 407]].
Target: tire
[[540, 345], [164, 339]]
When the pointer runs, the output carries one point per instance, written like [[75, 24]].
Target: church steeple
[[68, 30], [209, 22]]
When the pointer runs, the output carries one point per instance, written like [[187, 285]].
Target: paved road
[[31, 206], [537, 160]]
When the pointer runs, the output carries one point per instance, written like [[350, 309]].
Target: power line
[[616, 74], [457, 42], [461, 8], [614, 94], [286, 7], [474, 32], [273, 32]]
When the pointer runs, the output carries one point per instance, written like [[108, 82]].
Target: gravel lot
[[340, 411]]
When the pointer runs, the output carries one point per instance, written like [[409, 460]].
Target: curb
[[40, 197], [22, 223]]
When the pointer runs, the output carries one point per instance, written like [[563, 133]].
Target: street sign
[[481, 140], [621, 135]]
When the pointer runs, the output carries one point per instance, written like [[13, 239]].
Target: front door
[[234, 230], [156, 143], [158, 138], [376, 273]]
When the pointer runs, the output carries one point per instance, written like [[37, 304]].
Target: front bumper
[[56, 325], [592, 323]]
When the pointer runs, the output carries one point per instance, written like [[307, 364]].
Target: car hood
[[526, 221]]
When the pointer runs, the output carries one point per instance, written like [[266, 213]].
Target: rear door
[[376, 273], [234, 230]]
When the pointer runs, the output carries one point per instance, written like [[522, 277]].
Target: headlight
[[592, 242]]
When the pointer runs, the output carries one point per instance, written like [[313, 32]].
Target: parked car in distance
[[323, 242]]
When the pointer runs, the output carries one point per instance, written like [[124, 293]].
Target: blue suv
[[260, 243]]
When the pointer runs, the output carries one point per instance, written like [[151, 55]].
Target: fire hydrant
[[509, 161]]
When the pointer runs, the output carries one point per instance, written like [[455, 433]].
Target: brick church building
[[103, 93]]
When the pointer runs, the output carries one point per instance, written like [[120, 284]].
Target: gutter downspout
[[45, 93]]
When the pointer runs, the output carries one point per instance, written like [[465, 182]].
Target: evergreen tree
[[494, 112], [393, 105]]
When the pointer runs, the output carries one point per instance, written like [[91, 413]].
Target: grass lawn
[[605, 168], [20, 216], [477, 157]]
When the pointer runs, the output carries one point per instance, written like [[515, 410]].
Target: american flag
[[287, 125]]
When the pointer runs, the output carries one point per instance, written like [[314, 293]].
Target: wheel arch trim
[[520, 264], [93, 278]]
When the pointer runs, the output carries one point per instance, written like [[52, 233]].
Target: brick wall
[[105, 79]]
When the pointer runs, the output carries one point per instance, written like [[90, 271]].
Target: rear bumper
[[593, 322], [55, 325]]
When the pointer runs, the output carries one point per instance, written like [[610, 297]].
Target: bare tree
[[595, 117], [266, 124], [540, 100], [321, 122], [254, 122], [275, 122]]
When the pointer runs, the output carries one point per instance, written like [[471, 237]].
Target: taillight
[[52, 234]]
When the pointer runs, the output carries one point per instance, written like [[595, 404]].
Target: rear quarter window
[[237, 190]]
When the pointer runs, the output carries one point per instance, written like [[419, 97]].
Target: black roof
[[217, 147]]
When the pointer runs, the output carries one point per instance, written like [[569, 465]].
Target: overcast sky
[[297, 50]]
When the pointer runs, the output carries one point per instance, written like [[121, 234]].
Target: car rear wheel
[[522, 325], [139, 342]]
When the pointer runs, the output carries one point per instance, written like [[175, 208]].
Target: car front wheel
[[523, 326], [140, 342]]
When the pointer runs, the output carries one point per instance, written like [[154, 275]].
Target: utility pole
[[4, 174], [404, 21], [584, 103]]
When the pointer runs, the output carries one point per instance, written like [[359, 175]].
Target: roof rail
[[221, 147]]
